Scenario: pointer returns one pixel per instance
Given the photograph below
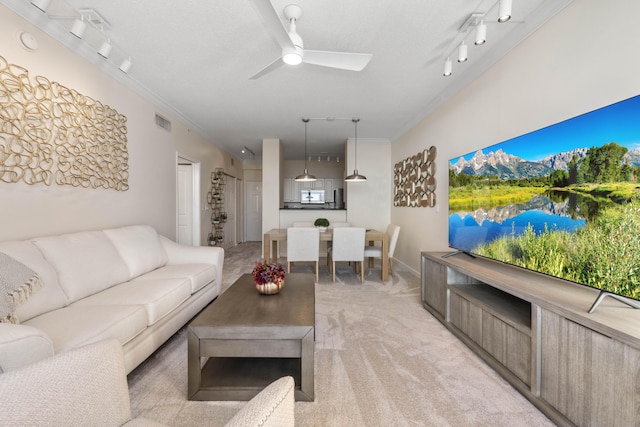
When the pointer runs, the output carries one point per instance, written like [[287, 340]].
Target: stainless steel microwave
[[311, 196]]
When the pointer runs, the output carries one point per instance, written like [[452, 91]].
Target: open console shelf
[[535, 331]]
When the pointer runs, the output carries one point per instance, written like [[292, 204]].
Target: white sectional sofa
[[127, 283]]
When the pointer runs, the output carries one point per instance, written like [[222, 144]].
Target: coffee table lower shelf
[[241, 378]]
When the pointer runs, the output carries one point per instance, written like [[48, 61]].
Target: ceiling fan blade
[[342, 60], [269, 68], [272, 21]]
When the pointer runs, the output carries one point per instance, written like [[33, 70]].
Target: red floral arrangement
[[268, 273]]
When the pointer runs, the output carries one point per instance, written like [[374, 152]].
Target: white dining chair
[[348, 245], [303, 244], [393, 231]]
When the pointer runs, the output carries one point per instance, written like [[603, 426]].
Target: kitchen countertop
[[311, 209]]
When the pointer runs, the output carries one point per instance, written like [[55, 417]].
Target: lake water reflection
[[468, 229]]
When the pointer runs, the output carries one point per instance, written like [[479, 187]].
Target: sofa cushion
[[159, 297], [74, 326], [50, 296], [21, 345], [199, 275], [139, 246], [86, 262]]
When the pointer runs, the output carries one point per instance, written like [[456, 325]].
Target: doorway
[[187, 201], [253, 210]]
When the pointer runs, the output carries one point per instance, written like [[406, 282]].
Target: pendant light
[[356, 177], [305, 177]]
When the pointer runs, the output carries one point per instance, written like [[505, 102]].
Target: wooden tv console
[[577, 368]]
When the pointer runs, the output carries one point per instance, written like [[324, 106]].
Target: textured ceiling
[[195, 59]]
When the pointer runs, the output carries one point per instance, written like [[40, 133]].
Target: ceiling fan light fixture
[[504, 12], [292, 56]]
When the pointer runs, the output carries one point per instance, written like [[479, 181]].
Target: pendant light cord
[[305, 120], [356, 120]]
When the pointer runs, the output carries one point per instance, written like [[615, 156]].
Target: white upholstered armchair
[[87, 386]]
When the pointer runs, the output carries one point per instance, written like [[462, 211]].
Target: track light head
[[481, 34], [43, 5], [463, 52], [126, 65], [78, 27], [504, 12], [448, 67], [105, 49]]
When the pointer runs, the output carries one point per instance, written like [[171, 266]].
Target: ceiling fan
[[293, 51]]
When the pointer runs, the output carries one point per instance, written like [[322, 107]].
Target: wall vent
[[163, 123]]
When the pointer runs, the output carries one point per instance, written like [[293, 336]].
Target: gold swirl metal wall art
[[50, 133], [414, 180]]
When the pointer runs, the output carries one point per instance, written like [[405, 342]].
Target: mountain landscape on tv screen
[[563, 200], [508, 166]]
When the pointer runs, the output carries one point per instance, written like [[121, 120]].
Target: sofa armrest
[[183, 254], [80, 387], [22, 345], [273, 406]]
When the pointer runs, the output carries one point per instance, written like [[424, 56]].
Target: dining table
[[275, 235]]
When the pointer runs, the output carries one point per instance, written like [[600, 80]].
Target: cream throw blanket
[[17, 283]]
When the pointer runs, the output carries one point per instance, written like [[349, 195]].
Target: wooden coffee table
[[251, 340]]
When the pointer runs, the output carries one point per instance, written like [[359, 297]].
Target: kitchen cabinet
[[318, 184]]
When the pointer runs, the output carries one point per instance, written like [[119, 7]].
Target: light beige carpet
[[381, 360]]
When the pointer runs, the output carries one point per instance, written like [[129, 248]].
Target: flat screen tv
[[563, 200]]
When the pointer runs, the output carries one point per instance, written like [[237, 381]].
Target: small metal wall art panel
[[414, 180]]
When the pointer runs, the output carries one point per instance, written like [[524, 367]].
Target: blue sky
[[619, 122]]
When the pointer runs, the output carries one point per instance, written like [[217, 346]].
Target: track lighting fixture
[[43, 5], [90, 27], [355, 176], [504, 12], [105, 49], [448, 67], [481, 34], [462, 52], [306, 176], [247, 152], [78, 28], [475, 20], [125, 66]]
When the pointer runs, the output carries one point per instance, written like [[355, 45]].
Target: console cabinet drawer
[[579, 366], [508, 345]]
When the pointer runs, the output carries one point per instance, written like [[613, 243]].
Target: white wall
[[35, 210], [320, 169], [368, 202], [272, 160], [583, 59]]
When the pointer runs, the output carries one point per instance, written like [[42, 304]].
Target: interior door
[[253, 211], [230, 207], [185, 204]]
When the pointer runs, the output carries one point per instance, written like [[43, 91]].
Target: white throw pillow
[[139, 246], [86, 262]]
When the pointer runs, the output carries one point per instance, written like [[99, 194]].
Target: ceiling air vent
[[163, 123]]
